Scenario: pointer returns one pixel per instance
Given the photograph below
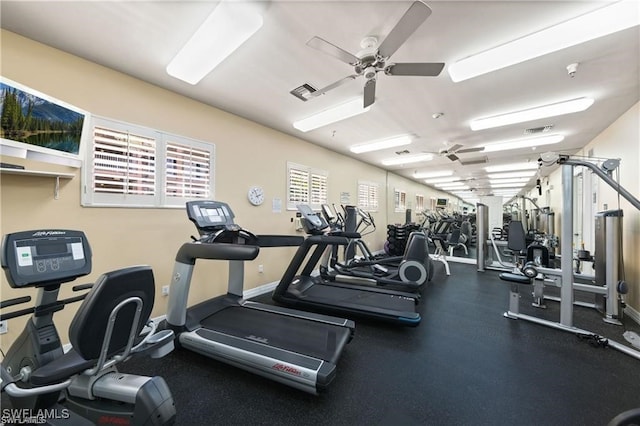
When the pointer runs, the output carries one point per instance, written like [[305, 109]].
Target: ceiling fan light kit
[[225, 30], [536, 113], [598, 23], [382, 144]]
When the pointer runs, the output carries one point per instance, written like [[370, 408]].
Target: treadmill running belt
[[365, 298], [319, 340]]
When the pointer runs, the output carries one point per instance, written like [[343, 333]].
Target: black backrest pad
[[516, 238], [416, 247], [89, 325]]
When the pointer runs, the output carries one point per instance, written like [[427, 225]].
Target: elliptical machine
[[81, 386]]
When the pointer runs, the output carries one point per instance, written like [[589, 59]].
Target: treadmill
[[301, 287], [298, 349]]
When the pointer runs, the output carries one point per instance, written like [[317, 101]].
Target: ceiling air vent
[[476, 160], [535, 130], [301, 92]]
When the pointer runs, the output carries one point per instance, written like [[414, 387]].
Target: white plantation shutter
[[305, 186], [133, 166], [400, 200], [419, 202], [188, 171], [318, 190], [368, 196], [297, 186], [123, 163]]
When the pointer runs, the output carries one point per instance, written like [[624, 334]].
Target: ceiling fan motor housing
[[370, 72]]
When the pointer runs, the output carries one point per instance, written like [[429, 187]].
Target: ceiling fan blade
[[369, 93], [332, 50], [426, 69], [477, 149], [455, 148], [452, 157], [324, 90], [417, 13]]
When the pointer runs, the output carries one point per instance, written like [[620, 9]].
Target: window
[[400, 200], [368, 196], [306, 186], [419, 203], [132, 166]]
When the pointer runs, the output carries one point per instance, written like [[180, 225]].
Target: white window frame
[[201, 154], [420, 203], [368, 196], [306, 185], [399, 200]]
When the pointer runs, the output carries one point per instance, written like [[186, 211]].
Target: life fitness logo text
[[287, 369], [48, 233]]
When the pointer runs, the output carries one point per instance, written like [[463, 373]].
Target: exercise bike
[[80, 386]]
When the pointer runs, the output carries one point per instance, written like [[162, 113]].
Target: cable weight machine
[[608, 267]]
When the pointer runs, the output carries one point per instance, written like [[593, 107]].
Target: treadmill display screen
[[209, 214]]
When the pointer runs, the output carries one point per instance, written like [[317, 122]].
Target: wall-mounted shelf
[[40, 173]]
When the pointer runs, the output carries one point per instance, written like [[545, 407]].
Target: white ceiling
[[139, 38]]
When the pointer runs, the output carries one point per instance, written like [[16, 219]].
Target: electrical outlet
[[165, 290], [260, 269], [4, 327]]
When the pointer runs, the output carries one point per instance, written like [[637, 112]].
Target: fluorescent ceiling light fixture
[[442, 180], [451, 186], [229, 25], [512, 175], [331, 115], [429, 175], [512, 180], [382, 144], [508, 185], [598, 23], [523, 143], [405, 159], [544, 111], [513, 166]]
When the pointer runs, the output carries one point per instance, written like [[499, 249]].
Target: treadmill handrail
[[189, 252], [280, 240]]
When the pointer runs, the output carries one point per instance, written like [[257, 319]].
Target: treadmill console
[[311, 222], [211, 216], [44, 257]]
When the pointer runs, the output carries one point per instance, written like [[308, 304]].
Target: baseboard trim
[[632, 313], [260, 290]]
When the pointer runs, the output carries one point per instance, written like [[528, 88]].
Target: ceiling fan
[[451, 152], [374, 57]]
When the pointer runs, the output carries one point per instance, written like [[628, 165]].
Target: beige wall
[[247, 154]]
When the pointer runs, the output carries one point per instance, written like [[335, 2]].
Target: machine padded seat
[[89, 325], [515, 278]]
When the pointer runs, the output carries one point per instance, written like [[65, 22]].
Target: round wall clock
[[256, 195]]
